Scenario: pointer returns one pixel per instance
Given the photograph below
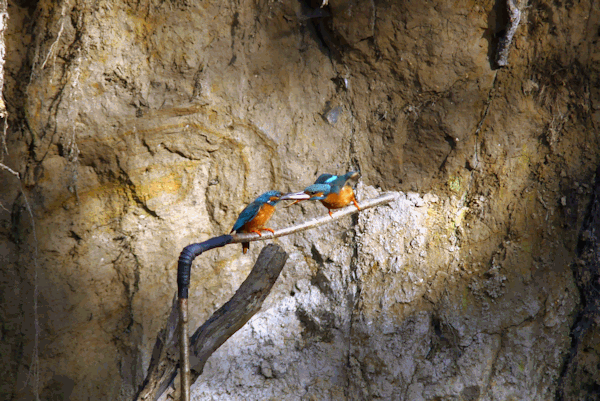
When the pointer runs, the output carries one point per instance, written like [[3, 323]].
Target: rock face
[[140, 127]]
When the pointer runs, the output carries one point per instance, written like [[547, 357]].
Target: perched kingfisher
[[254, 216], [330, 189]]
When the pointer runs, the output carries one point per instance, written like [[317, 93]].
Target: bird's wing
[[247, 214], [338, 183], [326, 179]]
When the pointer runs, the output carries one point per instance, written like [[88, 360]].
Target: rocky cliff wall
[[139, 127]]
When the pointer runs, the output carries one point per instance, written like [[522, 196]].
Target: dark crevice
[[235, 24], [452, 142], [319, 21], [573, 381]]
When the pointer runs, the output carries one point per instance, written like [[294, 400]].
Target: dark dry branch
[[240, 308], [222, 325]]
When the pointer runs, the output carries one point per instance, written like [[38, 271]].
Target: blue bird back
[[253, 208], [336, 182], [247, 214], [326, 178]]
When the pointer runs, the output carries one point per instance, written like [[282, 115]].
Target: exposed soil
[[139, 127]]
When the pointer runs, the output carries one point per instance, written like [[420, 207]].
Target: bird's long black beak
[[297, 196]]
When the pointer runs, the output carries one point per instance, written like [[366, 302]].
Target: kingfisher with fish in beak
[[332, 190]]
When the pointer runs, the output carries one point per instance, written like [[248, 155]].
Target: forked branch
[[246, 302], [168, 354]]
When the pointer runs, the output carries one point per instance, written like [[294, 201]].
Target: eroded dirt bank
[[140, 127]]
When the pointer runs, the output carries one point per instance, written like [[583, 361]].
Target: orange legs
[[246, 245], [263, 229]]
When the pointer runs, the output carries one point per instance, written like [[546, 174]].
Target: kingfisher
[[254, 216], [331, 190]]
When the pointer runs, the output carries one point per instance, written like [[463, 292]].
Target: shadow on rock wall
[[141, 127]]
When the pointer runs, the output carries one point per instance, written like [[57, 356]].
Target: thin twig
[[3, 111], [184, 349], [10, 170], [51, 50]]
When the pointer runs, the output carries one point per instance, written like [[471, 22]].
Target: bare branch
[[233, 315], [211, 335], [381, 200], [3, 111], [10, 170]]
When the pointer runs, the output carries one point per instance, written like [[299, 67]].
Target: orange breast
[[264, 214], [337, 201]]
